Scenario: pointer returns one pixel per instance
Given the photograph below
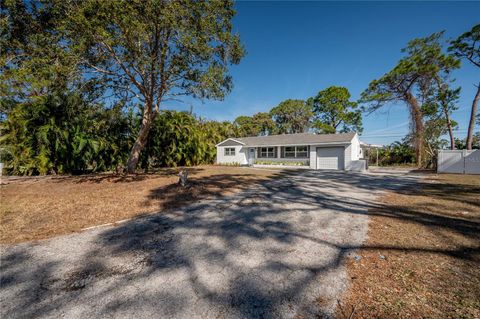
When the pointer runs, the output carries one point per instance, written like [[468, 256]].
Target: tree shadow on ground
[[109, 177], [204, 187], [126, 178], [266, 252]]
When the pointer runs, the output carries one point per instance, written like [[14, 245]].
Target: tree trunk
[[450, 130], [140, 141], [417, 118], [471, 125]]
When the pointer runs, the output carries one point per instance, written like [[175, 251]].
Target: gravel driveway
[[276, 251]]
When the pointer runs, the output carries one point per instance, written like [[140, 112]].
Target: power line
[[401, 134]]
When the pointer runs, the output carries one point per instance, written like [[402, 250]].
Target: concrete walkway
[[276, 251]]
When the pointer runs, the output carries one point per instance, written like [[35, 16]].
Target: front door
[[251, 156]]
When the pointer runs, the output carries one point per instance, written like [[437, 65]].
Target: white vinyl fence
[[458, 161]]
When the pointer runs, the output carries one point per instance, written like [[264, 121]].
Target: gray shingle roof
[[295, 139]]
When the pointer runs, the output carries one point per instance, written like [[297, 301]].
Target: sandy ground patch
[[46, 206], [422, 255]]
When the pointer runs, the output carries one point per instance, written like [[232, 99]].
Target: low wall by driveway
[[458, 161], [358, 166]]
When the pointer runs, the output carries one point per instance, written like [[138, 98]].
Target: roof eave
[[230, 139], [301, 144]]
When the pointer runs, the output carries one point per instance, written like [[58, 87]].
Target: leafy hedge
[[280, 163], [61, 133], [64, 134]]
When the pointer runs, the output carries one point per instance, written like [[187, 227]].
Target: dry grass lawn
[[41, 207], [422, 256]]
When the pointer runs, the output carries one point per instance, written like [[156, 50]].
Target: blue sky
[[295, 49]]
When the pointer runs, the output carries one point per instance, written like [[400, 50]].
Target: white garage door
[[330, 157]]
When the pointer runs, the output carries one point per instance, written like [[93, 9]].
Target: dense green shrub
[[174, 139], [180, 139], [281, 163], [398, 153], [62, 133]]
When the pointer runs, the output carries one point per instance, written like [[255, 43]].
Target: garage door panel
[[330, 158]]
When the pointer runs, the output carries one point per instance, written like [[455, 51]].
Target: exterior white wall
[[240, 156], [348, 156], [356, 150], [353, 156], [313, 156]]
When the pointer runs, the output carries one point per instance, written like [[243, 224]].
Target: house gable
[[230, 142]]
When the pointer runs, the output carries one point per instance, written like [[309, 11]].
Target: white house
[[315, 151]]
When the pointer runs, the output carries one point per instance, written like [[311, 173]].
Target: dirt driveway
[[274, 251]]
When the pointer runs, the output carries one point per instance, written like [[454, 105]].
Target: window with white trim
[[295, 151], [301, 152], [289, 151], [229, 151], [266, 152]]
